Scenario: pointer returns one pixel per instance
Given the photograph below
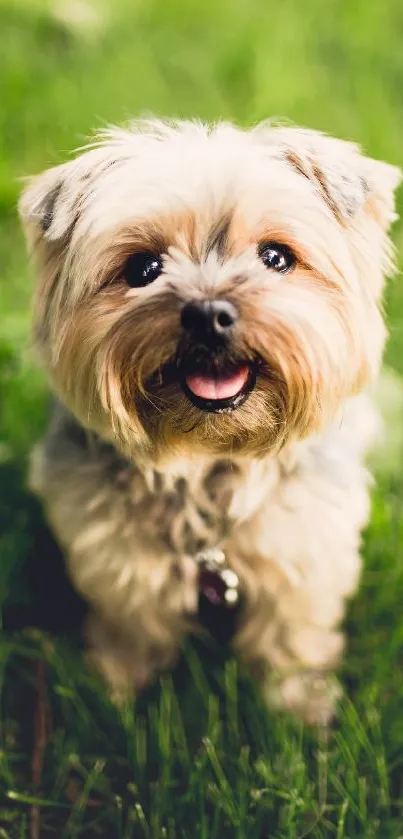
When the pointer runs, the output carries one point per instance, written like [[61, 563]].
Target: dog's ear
[[50, 207], [347, 180], [51, 202], [382, 179]]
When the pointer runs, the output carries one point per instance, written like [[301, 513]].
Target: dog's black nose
[[209, 318]]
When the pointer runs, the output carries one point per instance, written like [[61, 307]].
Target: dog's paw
[[115, 660], [312, 696], [124, 677]]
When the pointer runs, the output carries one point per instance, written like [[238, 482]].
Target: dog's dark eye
[[278, 257], [142, 268]]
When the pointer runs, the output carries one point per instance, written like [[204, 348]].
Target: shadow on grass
[[34, 588]]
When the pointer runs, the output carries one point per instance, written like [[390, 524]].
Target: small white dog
[[209, 315]]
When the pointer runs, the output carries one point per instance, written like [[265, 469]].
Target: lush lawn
[[199, 757]]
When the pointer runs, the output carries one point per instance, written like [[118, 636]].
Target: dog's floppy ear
[[383, 179], [347, 180], [51, 202], [47, 205]]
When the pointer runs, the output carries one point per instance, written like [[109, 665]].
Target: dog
[[209, 316]]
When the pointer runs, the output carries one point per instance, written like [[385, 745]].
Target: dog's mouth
[[219, 391]]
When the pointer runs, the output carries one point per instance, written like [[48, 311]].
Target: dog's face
[[210, 289]]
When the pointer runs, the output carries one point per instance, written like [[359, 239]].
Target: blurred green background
[[67, 67]]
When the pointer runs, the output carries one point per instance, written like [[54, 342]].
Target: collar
[[219, 595]]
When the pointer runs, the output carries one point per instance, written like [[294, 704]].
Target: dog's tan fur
[[280, 482]]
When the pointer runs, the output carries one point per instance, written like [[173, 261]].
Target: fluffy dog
[[209, 315]]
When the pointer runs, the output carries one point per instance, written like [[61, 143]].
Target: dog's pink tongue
[[218, 387]]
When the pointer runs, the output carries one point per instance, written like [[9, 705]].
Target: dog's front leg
[[298, 563], [140, 592], [136, 622], [289, 638]]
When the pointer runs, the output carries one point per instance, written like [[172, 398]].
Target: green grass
[[199, 756]]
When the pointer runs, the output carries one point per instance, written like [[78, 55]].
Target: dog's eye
[[142, 268], [278, 257]]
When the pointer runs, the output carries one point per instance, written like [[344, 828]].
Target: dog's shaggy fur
[[135, 478]]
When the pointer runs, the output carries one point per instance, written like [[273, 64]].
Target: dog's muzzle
[[210, 377]]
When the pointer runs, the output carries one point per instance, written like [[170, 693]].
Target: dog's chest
[[192, 513]]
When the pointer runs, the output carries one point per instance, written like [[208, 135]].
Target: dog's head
[[208, 288]]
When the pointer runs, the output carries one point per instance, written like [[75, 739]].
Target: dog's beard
[[135, 377]]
